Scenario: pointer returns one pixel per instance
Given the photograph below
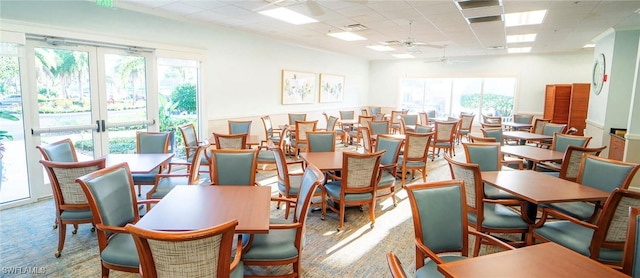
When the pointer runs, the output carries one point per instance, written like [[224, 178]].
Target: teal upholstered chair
[[570, 165], [363, 121], [630, 261], [420, 128], [332, 123], [347, 115], [283, 244], [266, 156], [486, 215], [296, 117], [237, 127], [112, 198], [444, 137], [409, 120], [59, 151], [356, 187], [375, 110], [489, 158], [440, 225], [321, 141], [522, 118], [150, 142], [389, 163], [495, 133], [299, 142], [201, 253], [464, 128], [379, 127], [538, 125], [395, 120], [71, 204], [234, 167], [562, 141], [191, 143], [600, 173], [603, 240], [165, 182], [416, 153], [367, 140], [270, 133], [288, 182], [230, 141], [551, 128]]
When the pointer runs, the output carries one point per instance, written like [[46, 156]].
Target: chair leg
[[341, 214], [323, 206], [139, 189], [476, 246], [286, 210], [372, 212], [105, 272], [62, 233]]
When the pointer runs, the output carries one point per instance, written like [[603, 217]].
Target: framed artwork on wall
[[298, 87], [331, 87]]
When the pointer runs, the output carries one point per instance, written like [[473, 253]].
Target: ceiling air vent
[[485, 19], [473, 4], [354, 27]]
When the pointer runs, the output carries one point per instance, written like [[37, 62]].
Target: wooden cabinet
[[616, 147], [567, 104]]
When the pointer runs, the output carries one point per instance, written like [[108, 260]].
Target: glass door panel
[[64, 97], [14, 183], [126, 105]]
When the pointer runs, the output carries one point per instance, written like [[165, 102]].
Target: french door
[[96, 96]]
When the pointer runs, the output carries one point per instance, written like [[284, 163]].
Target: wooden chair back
[[364, 112], [321, 141], [538, 125], [230, 141], [152, 142], [172, 253], [237, 127], [486, 155], [59, 151], [562, 141], [605, 174], [347, 115], [233, 166], [522, 118], [189, 138], [365, 134], [296, 117], [571, 161], [475, 139], [630, 261]]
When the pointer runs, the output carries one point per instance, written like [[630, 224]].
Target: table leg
[[531, 211]]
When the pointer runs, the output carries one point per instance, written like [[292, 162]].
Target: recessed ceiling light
[[347, 36], [519, 49], [589, 45], [524, 18], [287, 15], [521, 38], [379, 47], [403, 56]]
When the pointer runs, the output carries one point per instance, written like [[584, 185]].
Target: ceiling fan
[[444, 58], [410, 42], [314, 8]]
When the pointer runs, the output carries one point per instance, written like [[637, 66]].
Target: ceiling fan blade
[[267, 5], [314, 8]]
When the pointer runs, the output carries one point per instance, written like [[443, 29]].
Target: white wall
[[533, 73]]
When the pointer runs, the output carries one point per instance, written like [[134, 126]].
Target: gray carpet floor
[[28, 241]]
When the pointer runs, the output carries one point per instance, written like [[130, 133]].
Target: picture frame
[[298, 87], [331, 87]]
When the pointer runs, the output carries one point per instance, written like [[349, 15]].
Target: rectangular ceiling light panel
[[524, 18], [484, 19], [521, 38], [519, 49], [473, 4], [403, 56], [347, 36], [289, 16], [381, 47]]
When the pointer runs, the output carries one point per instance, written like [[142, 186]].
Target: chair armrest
[[559, 215], [283, 199], [236, 258], [111, 229], [148, 201], [284, 226], [426, 251], [492, 240], [301, 162]]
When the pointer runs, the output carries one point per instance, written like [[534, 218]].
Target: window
[[452, 96]]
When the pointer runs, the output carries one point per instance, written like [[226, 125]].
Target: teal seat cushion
[[430, 268], [580, 210], [498, 216], [167, 184], [146, 177], [412, 164], [294, 185], [386, 179], [276, 245], [121, 251], [238, 272], [491, 192], [266, 156], [576, 238], [76, 215], [203, 159], [334, 188]]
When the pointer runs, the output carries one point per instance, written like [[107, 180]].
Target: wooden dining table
[[524, 136], [194, 207], [517, 126], [542, 260], [139, 163], [532, 154], [539, 188], [325, 161]]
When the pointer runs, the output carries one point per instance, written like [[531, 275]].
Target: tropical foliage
[[184, 96], [503, 105]]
